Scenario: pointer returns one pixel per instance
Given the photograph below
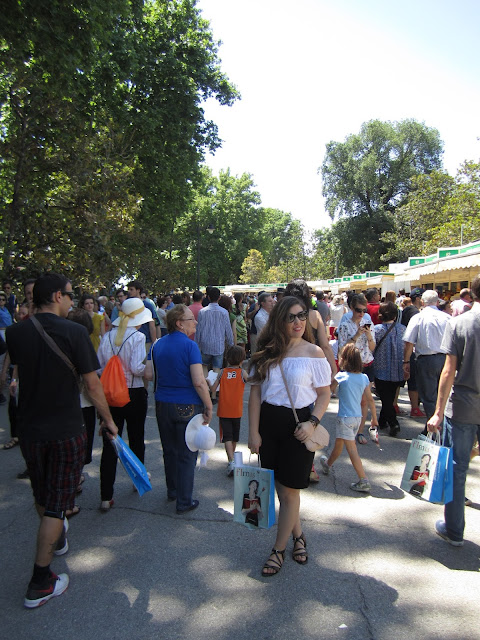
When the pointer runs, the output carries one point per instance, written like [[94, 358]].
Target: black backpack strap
[[120, 348]]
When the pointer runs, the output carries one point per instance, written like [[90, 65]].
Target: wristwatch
[[314, 420]]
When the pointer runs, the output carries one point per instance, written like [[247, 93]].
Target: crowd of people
[[296, 348]]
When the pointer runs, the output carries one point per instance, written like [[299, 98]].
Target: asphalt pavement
[[376, 569]]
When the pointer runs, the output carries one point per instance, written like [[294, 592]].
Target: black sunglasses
[[302, 316], [67, 293], [360, 310]]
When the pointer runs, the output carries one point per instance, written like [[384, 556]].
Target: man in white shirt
[[425, 332], [266, 303]]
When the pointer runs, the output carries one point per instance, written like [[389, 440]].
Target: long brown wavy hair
[[273, 341]]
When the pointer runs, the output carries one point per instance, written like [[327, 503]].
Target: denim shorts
[[347, 428], [216, 362]]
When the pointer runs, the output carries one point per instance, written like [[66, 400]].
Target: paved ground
[[376, 568]]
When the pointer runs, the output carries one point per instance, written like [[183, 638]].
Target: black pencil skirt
[[281, 451]]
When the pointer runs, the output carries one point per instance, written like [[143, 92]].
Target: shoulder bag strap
[[56, 349], [288, 392], [383, 338]]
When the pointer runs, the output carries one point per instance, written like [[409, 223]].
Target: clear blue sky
[[312, 71]]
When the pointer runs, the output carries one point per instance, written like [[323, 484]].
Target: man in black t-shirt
[[50, 421]]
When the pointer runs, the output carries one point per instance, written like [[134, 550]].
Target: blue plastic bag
[[132, 465]]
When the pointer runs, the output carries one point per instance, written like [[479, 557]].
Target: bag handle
[[56, 349], [289, 396]]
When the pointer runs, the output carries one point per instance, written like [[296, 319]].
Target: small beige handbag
[[320, 436]]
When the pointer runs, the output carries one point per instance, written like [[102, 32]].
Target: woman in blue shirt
[[5, 317], [388, 364], [181, 392]]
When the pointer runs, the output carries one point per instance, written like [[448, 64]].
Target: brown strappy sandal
[[300, 552], [273, 564]]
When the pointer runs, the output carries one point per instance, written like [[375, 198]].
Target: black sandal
[[273, 564], [297, 554]]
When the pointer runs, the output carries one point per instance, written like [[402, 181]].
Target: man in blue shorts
[[213, 330], [50, 421]]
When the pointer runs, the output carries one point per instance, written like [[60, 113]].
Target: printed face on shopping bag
[[425, 461], [253, 489]]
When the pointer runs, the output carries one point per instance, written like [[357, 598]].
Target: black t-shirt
[[408, 313], [49, 400]]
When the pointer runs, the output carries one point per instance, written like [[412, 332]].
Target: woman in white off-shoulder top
[[287, 339]]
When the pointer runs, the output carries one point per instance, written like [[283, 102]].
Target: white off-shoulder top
[[303, 375]]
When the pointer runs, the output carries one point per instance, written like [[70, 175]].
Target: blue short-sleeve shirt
[[172, 357]]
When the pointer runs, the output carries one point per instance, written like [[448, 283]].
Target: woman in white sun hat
[[128, 343]]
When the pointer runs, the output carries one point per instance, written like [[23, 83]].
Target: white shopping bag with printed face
[[254, 497], [428, 471]]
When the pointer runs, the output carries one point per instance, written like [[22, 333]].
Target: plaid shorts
[[55, 468]]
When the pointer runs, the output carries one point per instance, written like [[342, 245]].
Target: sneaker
[[314, 477], [62, 544], [325, 465], [417, 413], [39, 594], [468, 502], [441, 530], [394, 429], [398, 411], [362, 485], [106, 505], [230, 468]]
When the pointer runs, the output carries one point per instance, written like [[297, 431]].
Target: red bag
[[114, 381]]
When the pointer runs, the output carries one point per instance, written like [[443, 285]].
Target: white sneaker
[[39, 594], [230, 468], [325, 465], [106, 505]]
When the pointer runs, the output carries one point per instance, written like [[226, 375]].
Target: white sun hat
[[199, 436]]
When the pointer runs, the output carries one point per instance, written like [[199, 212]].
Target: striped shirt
[[213, 330]]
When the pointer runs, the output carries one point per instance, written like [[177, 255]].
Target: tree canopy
[[440, 211], [102, 129], [367, 177]]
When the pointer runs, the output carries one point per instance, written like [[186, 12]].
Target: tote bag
[[428, 471], [254, 497]]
